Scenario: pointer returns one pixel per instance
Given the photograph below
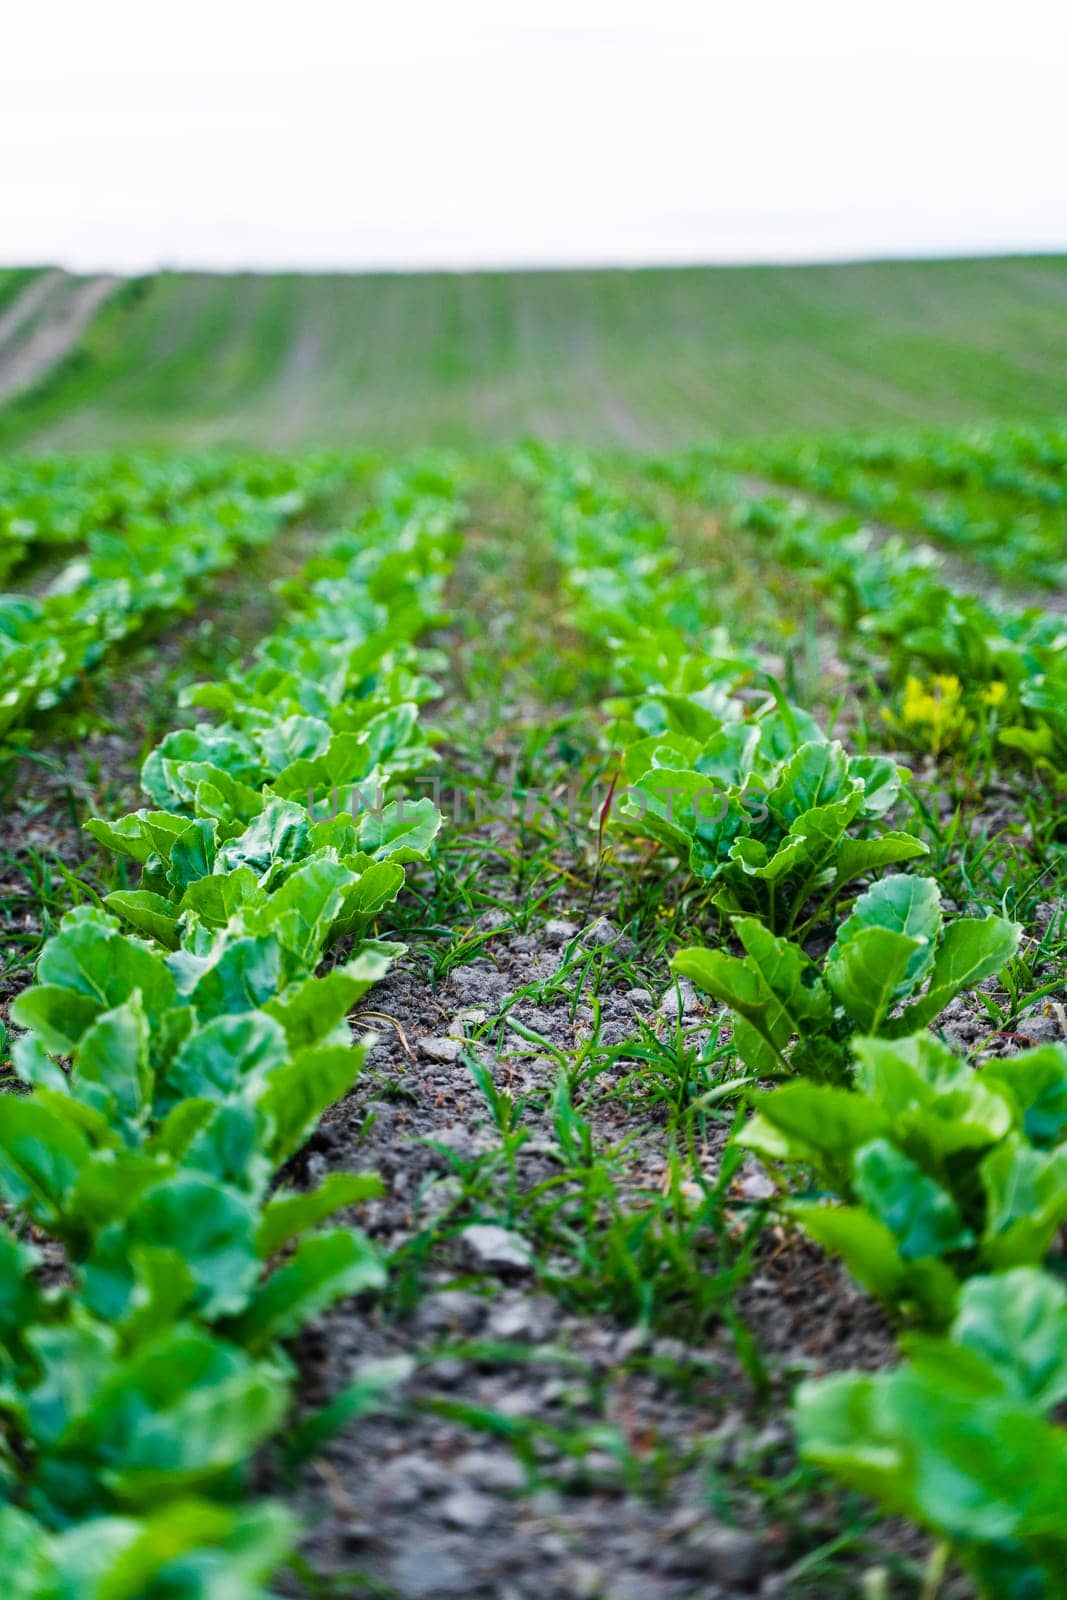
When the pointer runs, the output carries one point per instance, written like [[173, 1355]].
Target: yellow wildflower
[[933, 715]]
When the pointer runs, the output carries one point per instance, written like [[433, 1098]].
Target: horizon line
[[552, 266]]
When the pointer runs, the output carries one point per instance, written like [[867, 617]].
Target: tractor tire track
[[25, 361]]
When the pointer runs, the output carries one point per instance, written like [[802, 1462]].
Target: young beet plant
[[893, 967], [941, 1171], [777, 818], [958, 1437]]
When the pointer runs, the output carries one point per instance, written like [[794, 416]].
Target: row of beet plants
[[179, 1046], [50, 505], [943, 1186], [1008, 666], [145, 560], [989, 502]]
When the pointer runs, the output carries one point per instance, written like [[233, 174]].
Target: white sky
[[336, 133]]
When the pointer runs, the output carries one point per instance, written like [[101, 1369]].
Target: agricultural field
[[643, 360], [533, 1022]]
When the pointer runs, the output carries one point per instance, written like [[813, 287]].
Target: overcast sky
[[334, 133]]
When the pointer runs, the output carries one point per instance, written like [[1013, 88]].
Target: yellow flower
[[933, 714], [948, 686], [995, 695], [917, 702]]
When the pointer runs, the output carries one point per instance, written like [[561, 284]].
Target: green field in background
[[642, 359]]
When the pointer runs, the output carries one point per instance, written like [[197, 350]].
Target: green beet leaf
[[93, 960], [275, 840], [299, 1092], [310, 1009], [188, 1550], [1026, 1198], [400, 832], [857, 857], [163, 1287], [981, 1474], [41, 1157], [150, 914], [162, 777], [57, 1017], [322, 1269], [1017, 1321], [193, 854], [241, 975], [899, 904], [776, 991], [972, 948], [871, 972], [290, 1214], [142, 834], [303, 910], [867, 1246], [208, 1224], [816, 775], [1036, 1082], [813, 1122], [112, 1071], [182, 1410], [229, 1147], [216, 898], [72, 1362], [289, 739], [922, 1216], [228, 1055], [21, 1301]]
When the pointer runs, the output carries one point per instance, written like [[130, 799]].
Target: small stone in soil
[[602, 932], [443, 1050], [466, 1508], [584, 1580], [407, 1478], [681, 999], [490, 1469], [457, 1138], [469, 1017], [726, 1555], [450, 1310], [531, 1317], [491, 1248], [423, 1568]]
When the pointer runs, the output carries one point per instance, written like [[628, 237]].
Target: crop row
[[1024, 462], [144, 560], [53, 504], [942, 1187], [1000, 501], [177, 1067], [996, 669]]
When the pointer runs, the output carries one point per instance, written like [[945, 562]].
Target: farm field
[[644, 360], [532, 986]]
